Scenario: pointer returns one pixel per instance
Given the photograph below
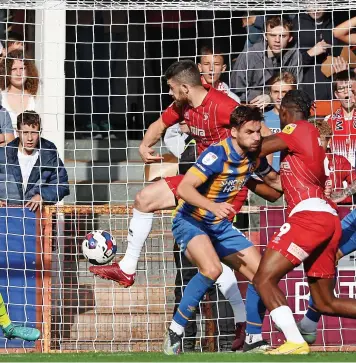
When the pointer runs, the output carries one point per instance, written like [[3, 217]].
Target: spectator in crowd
[[279, 86], [253, 69], [255, 28], [30, 169], [340, 172], [18, 83], [343, 120], [6, 129], [314, 38]]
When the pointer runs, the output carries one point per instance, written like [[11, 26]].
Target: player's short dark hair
[[299, 101], [344, 76], [210, 50], [242, 114], [30, 118], [184, 71], [279, 20]]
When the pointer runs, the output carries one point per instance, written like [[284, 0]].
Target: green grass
[[188, 357]]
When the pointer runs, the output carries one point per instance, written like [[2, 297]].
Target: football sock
[[255, 310], [139, 229], [192, 296], [227, 284], [283, 318]]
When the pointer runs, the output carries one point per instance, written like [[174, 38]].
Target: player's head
[[343, 86], [245, 124], [295, 105], [278, 33], [280, 84], [182, 77], [19, 72], [211, 64], [29, 130], [325, 132]]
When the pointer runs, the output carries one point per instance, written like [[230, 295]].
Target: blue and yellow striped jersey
[[223, 172]]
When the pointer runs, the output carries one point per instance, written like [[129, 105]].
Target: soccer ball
[[99, 247]]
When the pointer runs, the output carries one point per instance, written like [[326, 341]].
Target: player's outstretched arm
[[152, 135], [263, 190], [272, 144], [187, 190]]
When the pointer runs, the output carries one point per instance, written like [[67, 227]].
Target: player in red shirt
[[312, 231], [207, 113]]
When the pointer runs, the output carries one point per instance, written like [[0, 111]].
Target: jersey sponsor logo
[[289, 129], [285, 165], [231, 185], [339, 125], [196, 131], [298, 252], [209, 158]]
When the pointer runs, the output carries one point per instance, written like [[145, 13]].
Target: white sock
[[253, 338], [139, 229], [283, 317], [178, 329], [227, 284], [309, 326]]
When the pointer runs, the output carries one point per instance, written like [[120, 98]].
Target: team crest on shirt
[[209, 158], [289, 129], [205, 116]]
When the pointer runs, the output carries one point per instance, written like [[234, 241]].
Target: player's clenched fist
[[222, 210], [147, 154]]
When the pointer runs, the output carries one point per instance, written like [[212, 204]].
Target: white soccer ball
[[99, 247]]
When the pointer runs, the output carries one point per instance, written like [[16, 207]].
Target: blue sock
[[255, 311], [193, 293], [312, 313]]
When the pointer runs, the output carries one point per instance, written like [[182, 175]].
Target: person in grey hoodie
[[253, 69]]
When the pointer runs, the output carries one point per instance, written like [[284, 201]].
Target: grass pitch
[[187, 357]]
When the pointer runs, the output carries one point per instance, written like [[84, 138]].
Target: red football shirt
[[302, 164], [341, 173], [208, 121]]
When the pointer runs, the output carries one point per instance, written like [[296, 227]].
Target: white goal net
[[100, 68]]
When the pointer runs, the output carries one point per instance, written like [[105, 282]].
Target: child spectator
[[19, 84], [279, 86], [31, 171], [343, 121], [341, 173]]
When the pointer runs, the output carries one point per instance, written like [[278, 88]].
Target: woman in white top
[[18, 83]]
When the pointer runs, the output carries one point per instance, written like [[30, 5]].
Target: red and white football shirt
[[207, 122]]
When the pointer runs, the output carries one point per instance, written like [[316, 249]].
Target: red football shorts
[[312, 238], [173, 182]]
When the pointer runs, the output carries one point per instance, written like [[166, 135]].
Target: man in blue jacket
[[31, 172]]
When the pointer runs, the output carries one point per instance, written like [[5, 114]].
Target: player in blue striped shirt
[[201, 227]]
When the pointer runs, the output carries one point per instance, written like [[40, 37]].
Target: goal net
[[100, 65]]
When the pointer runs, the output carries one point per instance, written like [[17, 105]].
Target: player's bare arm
[[152, 135], [187, 190], [265, 131], [272, 144], [263, 190]]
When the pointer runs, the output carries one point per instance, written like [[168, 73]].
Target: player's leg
[[239, 253], [154, 197], [200, 251], [12, 331], [228, 286], [308, 325]]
